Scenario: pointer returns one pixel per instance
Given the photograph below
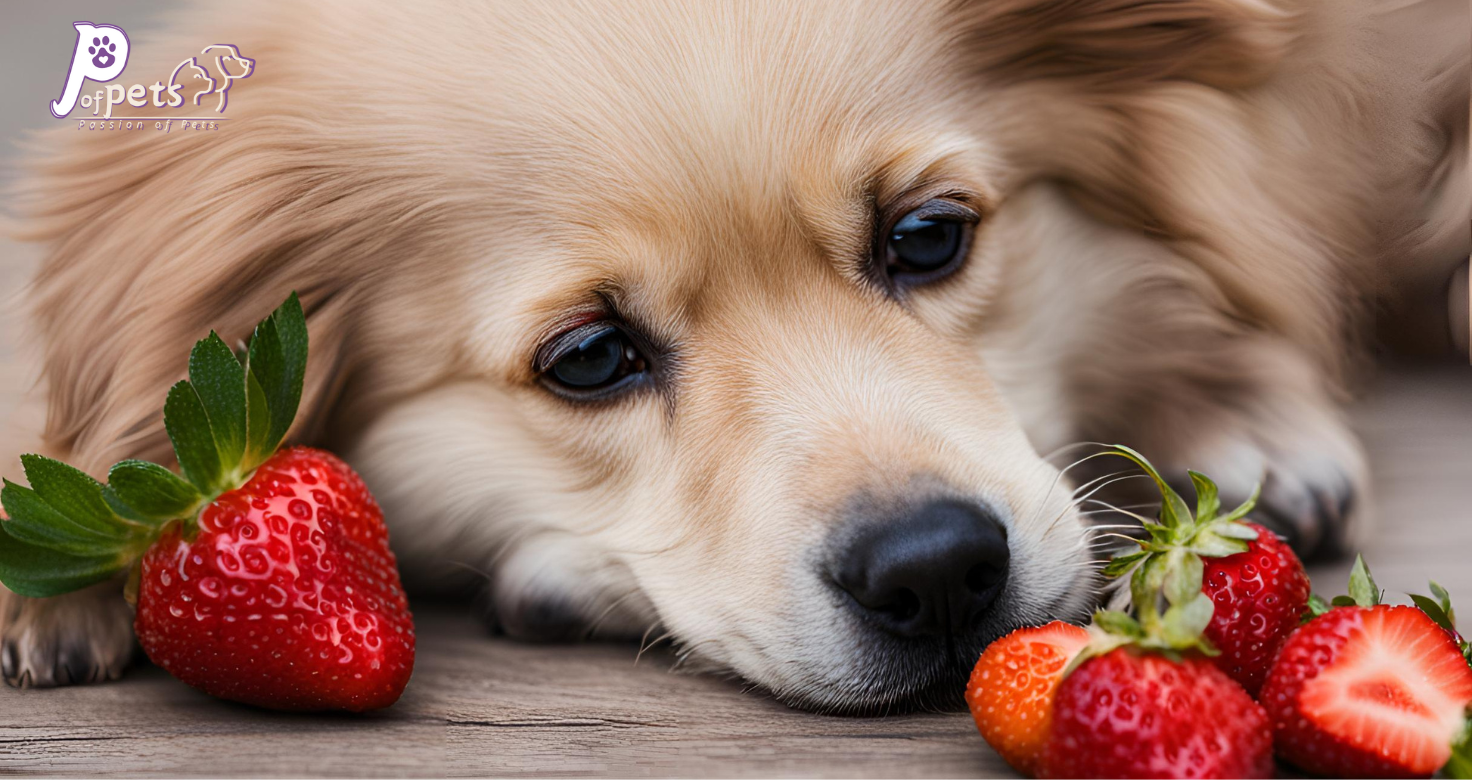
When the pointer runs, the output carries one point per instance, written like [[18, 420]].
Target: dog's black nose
[[927, 572]]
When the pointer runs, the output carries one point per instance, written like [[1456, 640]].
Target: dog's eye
[[594, 361], [928, 242]]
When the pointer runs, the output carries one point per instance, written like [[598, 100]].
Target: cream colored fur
[[1188, 210]]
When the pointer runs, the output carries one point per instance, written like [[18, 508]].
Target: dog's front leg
[[1108, 335], [555, 586], [1270, 420]]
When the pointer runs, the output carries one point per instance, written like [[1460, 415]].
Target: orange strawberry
[[1011, 689]]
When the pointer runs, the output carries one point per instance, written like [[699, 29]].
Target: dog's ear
[[1115, 43], [152, 242]]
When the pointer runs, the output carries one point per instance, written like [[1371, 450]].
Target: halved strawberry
[[1369, 690], [1011, 689]]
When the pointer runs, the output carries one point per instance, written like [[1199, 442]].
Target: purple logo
[[101, 54]]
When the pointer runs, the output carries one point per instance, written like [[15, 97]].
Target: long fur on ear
[[152, 241], [1221, 43]]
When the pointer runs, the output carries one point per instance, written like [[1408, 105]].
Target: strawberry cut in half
[[1369, 690], [1257, 584], [1010, 693], [259, 576]]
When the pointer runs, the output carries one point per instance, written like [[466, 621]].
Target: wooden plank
[[483, 706]]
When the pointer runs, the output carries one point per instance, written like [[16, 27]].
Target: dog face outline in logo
[[230, 65], [100, 53]]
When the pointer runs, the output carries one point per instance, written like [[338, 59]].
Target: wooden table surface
[[483, 706]]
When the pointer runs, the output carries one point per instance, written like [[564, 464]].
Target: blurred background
[[1415, 415], [35, 44]]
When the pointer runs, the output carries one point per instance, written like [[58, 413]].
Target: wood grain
[[482, 706]]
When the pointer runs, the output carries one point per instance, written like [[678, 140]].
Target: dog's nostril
[[903, 605], [929, 571], [980, 579]]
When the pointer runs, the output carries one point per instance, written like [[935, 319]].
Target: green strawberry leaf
[[1245, 507], [219, 381], [33, 521], [1183, 623], [1208, 503], [1343, 601], [188, 426], [1444, 599], [73, 494], [1183, 577], [1119, 565], [1434, 611], [258, 446], [1235, 530], [151, 491], [1173, 511], [278, 361], [120, 507], [1362, 586], [1145, 586], [1119, 623], [1212, 544], [40, 572]]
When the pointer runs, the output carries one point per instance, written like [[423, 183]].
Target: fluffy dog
[[747, 322]]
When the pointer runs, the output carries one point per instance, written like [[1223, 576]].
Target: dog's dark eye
[[593, 361], [928, 242]]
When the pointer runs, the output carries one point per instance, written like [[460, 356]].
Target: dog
[[767, 326]]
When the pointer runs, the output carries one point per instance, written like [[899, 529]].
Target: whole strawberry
[[1011, 689], [1133, 713], [286, 597], [259, 576], [1143, 699], [1258, 586], [1260, 596], [1370, 690]]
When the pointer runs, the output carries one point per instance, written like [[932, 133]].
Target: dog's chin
[[896, 676]]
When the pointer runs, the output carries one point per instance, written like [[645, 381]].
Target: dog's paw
[[81, 637], [558, 588], [1311, 467]]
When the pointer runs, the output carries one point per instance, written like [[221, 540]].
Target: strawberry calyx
[[1174, 634], [1169, 562], [1171, 611], [67, 531], [1363, 592], [1438, 607]]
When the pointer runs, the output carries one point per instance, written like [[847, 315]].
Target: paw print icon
[[102, 51]]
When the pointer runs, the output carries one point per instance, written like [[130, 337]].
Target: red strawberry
[[1369, 690], [262, 577], [1011, 689], [1260, 597], [288, 596], [1130, 713], [1257, 584]]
